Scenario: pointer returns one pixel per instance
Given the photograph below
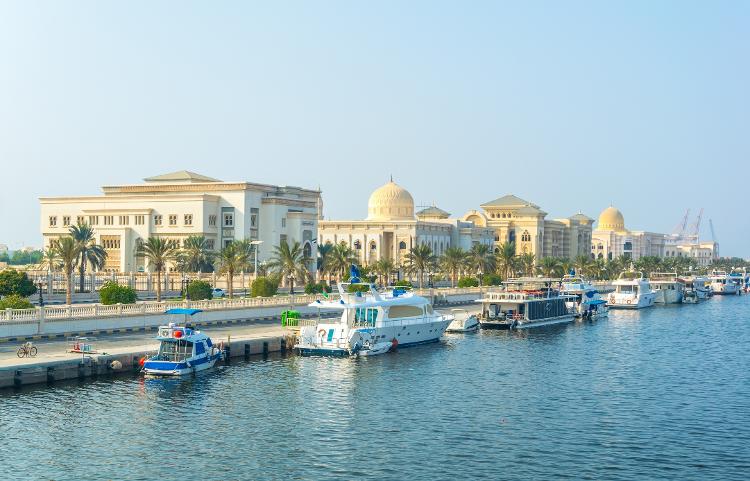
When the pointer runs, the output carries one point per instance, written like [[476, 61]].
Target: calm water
[[658, 394]]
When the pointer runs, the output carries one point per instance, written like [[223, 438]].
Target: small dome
[[390, 202], [611, 219]]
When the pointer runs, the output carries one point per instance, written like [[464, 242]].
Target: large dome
[[611, 219], [390, 202]]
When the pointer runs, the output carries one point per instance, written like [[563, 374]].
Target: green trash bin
[[290, 318]]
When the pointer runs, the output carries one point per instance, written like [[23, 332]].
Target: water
[[662, 393]]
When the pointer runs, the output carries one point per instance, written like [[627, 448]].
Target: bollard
[[282, 347], [17, 377], [50, 374], [81, 370], [247, 351], [227, 352], [265, 348]]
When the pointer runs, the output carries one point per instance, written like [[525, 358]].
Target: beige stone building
[[513, 219], [183, 204], [392, 228]]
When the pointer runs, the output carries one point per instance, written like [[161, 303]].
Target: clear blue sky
[[571, 105]]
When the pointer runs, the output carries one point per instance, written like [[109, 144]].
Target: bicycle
[[27, 350]]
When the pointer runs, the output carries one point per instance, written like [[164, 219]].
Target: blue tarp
[[597, 302], [180, 310]]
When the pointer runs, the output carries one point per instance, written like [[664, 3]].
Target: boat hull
[[182, 368], [337, 352], [668, 296]]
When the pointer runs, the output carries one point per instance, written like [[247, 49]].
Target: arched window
[[357, 245], [307, 250], [512, 236], [525, 237], [600, 256], [628, 246], [402, 245], [373, 246]]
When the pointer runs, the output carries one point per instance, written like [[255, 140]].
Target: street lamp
[[41, 299], [256, 243]]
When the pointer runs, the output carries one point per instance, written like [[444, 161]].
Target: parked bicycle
[[27, 350]]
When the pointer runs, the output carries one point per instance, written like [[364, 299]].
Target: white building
[[183, 204], [611, 239], [392, 228]]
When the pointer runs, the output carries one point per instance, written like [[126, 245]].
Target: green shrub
[[15, 282], [14, 301], [491, 280], [199, 290], [113, 293], [468, 282], [403, 283], [264, 287], [313, 288]]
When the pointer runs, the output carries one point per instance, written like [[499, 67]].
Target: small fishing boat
[[723, 284], [182, 350], [463, 321]]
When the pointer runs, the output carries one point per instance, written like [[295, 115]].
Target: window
[[212, 220], [53, 221], [172, 219], [210, 244], [282, 239], [307, 250], [402, 245], [373, 246], [157, 220], [228, 220], [404, 311], [109, 220], [525, 237], [188, 219], [253, 220], [283, 222], [66, 220], [357, 245], [140, 220], [80, 220], [93, 220], [124, 219]]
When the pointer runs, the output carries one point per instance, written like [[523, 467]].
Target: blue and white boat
[[182, 350]]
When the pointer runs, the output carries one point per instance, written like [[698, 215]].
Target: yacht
[[463, 321], [742, 278], [668, 287], [585, 298], [182, 350], [632, 291], [371, 323], [525, 303], [697, 288], [722, 283]]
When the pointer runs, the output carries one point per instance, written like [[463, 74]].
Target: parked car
[[216, 292]]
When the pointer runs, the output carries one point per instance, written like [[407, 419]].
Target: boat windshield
[[627, 289], [175, 351]]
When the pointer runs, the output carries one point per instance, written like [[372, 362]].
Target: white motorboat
[[668, 287], [525, 303], [723, 284], [697, 288], [371, 323], [584, 298], [632, 291], [463, 321], [182, 350]]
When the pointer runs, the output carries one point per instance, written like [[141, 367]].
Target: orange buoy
[[177, 334], [142, 361]]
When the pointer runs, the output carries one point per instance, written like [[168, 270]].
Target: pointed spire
[[391, 177]]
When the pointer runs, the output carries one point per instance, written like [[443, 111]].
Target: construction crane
[[713, 234], [695, 229], [679, 230]]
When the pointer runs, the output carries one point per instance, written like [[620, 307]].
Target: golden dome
[[611, 219], [390, 202]]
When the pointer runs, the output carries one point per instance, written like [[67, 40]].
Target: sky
[[571, 105]]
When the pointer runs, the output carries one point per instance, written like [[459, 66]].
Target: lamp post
[[41, 299], [255, 244]]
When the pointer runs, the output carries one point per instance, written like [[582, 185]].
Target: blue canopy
[[597, 302], [181, 310]]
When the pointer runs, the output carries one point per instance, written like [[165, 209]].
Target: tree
[[550, 266], [322, 262], [342, 256], [383, 268], [290, 263], [420, 259], [526, 262], [233, 258], [264, 286], [195, 255], [68, 251], [453, 260], [506, 259], [50, 260], [90, 253], [199, 290], [15, 282], [14, 301], [159, 252], [114, 293], [582, 263]]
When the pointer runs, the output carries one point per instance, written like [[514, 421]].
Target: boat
[[585, 298], [691, 296], [723, 284], [632, 291], [668, 287], [182, 350], [371, 322], [463, 321], [697, 288], [741, 277], [525, 303]]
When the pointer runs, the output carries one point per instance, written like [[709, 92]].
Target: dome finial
[[391, 177]]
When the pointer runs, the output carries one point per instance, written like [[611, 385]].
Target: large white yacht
[[525, 303], [722, 283], [632, 291], [371, 323], [583, 298], [668, 287]]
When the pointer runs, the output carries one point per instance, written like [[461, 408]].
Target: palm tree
[[452, 261], [526, 262], [323, 260], [290, 262], [506, 259], [383, 268], [342, 256], [68, 251], [481, 259], [420, 259], [159, 252], [582, 263], [50, 259], [550, 266], [233, 258], [90, 252], [195, 255]]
